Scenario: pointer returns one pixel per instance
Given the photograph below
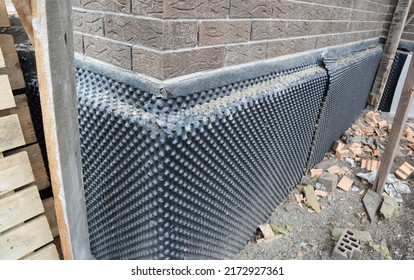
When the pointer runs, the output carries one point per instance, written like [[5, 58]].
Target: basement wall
[[172, 38]]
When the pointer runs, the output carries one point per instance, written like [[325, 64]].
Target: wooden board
[[4, 17], [50, 213], [15, 172], [19, 207], [11, 58], [24, 10], [6, 94], [11, 135], [23, 111], [49, 252], [24, 239], [36, 160], [2, 62]]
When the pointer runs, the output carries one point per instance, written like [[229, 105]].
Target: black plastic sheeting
[[350, 82], [389, 91], [192, 183], [191, 176]]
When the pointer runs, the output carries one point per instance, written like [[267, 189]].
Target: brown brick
[[245, 53], [339, 3], [222, 32], [284, 9], [328, 41], [146, 32], [251, 9], [180, 34], [108, 51], [147, 62], [196, 8], [88, 22], [290, 46], [268, 29], [369, 6], [148, 7], [408, 36], [187, 62], [107, 5], [78, 42], [328, 27]]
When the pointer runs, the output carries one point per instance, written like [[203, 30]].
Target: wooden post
[[24, 11], [53, 38], [397, 127], [390, 49]]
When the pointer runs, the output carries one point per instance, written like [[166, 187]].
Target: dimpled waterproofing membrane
[[350, 82], [388, 95], [192, 177]]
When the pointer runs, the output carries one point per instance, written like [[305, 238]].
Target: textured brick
[[187, 62], [107, 5], [409, 28], [137, 31], [330, 40], [76, 3], [196, 8], [179, 34], [284, 9], [339, 3], [108, 51], [290, 46], [245, 53], [251, 9], [369, 6], [148, 7], [222, 32], [78, 42], [268, 29], [408, 36], [147, 62], [88, 22]]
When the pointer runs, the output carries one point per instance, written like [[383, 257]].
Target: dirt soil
[[308, 235]]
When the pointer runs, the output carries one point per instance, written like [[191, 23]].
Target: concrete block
[[348, 247], [196, 8], [372, 202], [251, 9], [330, 181], [223, 32]]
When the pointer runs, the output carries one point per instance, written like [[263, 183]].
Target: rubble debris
[[321, 193], [370, 177], [372, 118], [338, 145], [409, 134], [299, 198], [394, 187], [311, 199], [330, 181], [404, 171], [267, 231], [363, 236], [348, 247], [342, 154], [289, 207], [370, 165], [320, 187], [345, 183], [363, 218], [382, 249], [372, 202], [280, 230], [334, 169], [351, 162], [316, 173], [366, 130], [388, 207]]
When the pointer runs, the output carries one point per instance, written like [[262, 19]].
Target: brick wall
[[409, 31], [171, 38]]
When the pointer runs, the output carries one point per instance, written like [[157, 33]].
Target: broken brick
[[335, 169], [370, 165], [342, 154], [267, 231], [321, 193], [366, 130], [345, 184], [316, 173], [372, 118], [404, 171], [338, 145]]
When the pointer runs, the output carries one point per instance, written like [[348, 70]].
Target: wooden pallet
[[27, 224]]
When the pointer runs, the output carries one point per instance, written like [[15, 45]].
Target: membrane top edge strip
[[198, 82]]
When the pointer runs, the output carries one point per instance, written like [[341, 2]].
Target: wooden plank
[[50, 213], [2, 62], [24, 239], [15, 172], [4, 17], [20, 207], [11, 58], [24, 10], [6, 94], [25, 118], [11, 135], [400, 119], [49, 252], [390, 49], [38, 166], [54, 44]]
